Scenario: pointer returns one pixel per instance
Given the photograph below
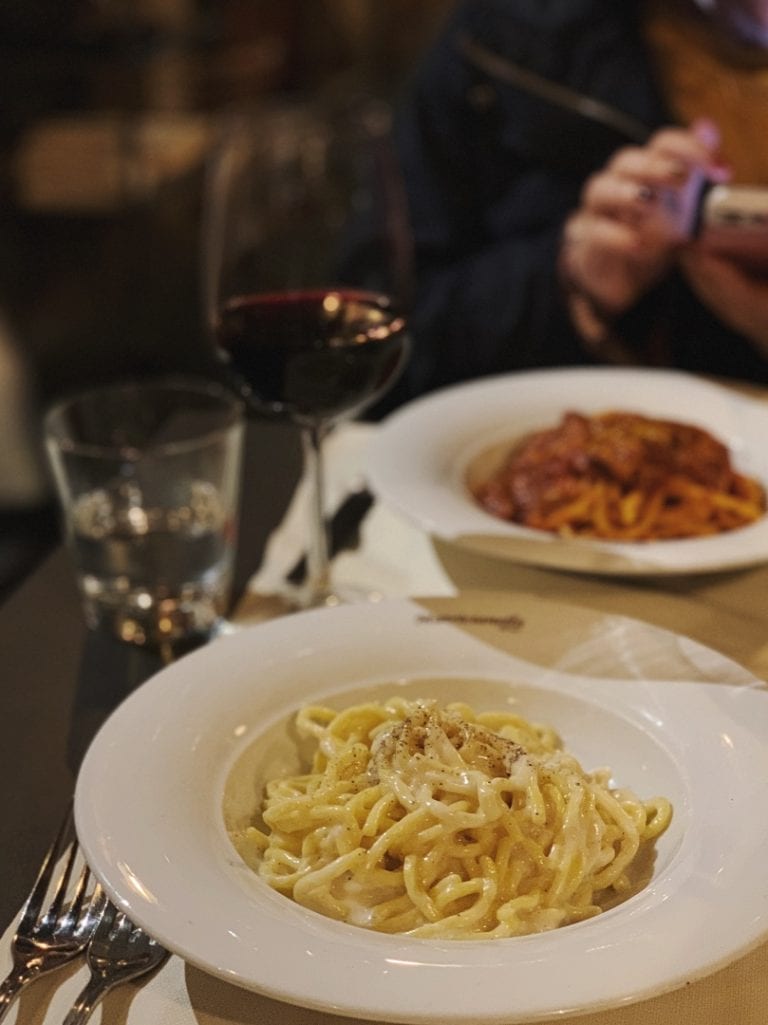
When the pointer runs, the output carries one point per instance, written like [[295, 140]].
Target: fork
[[118, 952], [47, 937]]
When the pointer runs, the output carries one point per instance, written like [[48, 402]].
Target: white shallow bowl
[[419, 459], [669, 716]]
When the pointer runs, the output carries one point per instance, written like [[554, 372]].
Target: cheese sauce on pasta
[[442, 822]]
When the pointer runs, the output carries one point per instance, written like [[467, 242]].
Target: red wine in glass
[[312, 356]]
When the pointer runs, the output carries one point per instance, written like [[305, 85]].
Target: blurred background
[[108, 112]]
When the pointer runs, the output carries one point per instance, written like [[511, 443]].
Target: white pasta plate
[[420, 458], [668, 716]]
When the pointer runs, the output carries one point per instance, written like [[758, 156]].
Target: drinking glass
[[306, 263], [148, 479]]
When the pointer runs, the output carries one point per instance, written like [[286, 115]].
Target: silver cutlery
[[118, 952], [58, 918]]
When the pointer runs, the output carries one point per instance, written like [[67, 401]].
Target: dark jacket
[[515, 105]]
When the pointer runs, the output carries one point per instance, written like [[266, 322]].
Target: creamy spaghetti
[[621, 476], [440, 822]]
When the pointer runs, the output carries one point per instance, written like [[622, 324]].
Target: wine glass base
[[352, 594], [297, 599], [261, 606]]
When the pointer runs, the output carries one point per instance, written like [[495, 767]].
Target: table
[[60, 682]]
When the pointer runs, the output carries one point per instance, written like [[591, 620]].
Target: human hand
[[635, 214], [737, 297]]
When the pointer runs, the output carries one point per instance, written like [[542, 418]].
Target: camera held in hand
[[733, 223]]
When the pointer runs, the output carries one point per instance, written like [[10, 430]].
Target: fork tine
[[121, 927], [61, 888], [76, 904], [95, 901], [108, 919], [34, 903]]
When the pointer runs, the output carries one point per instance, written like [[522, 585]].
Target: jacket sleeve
[[486, 220]]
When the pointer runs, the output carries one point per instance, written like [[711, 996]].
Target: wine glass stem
[[318, 585]]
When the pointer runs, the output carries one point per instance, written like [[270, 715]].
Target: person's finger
[[620, 197], [653, 168], [697, 148], [590, 242], [683, 143], [719, 274]]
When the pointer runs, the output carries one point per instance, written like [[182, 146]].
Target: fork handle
[[11, 986], [88, 999]]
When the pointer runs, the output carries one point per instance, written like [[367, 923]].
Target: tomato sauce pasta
[[624, 477], [440, 822]]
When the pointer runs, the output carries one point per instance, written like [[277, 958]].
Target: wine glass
[[306, 257]]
